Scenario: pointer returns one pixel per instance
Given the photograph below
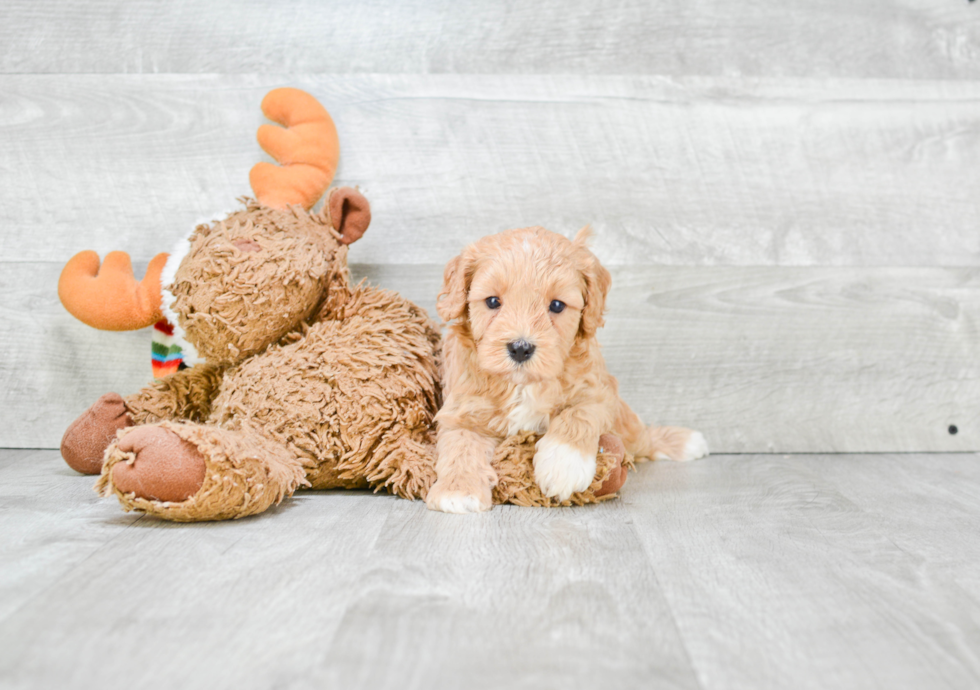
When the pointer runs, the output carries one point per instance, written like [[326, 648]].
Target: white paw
[[696, 447], [455, 501], [560, 470]]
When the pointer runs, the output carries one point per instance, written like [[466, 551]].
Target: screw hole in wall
[[952, 427]]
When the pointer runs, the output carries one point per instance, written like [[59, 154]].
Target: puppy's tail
[[671, 443]]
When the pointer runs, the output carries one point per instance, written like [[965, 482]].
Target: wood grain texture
[[731, 572], [919, 39], [792, 360], [763, 359], [57, 366], [819, 571], [696, 172], [49, 524], [527, 599]]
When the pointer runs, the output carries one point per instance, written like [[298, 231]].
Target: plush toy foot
[[85, 441], [617, 477], [513, 463], [189, 472], [166, 467]]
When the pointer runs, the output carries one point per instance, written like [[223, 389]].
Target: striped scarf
[[167, 350]]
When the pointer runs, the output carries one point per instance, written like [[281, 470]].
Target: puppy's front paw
[[560, 469], [457, 499]]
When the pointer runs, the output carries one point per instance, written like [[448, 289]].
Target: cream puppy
[[520, 353]]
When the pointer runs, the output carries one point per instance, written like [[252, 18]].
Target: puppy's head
[[524, 297]]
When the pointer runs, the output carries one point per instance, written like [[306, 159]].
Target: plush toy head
[[247, 280], [262, 265]]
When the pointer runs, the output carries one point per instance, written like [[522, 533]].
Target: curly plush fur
[[308, 380]]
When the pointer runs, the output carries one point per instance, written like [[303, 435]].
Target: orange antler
[[307, 149], [110, 298]]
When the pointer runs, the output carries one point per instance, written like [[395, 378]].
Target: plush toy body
[[307, 380], [343, 399]]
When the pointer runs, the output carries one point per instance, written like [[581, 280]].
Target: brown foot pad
[[166, 468], [613, 445], [85, 441]]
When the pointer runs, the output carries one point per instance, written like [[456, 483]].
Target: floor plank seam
[[673, 614]]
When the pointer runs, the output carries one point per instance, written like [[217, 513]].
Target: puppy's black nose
[[520, 350]]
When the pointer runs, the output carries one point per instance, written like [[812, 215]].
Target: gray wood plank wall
[[787, 193], [894, 39]]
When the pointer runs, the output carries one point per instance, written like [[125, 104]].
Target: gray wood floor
[[742, 571]]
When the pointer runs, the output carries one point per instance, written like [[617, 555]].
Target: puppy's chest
[[528, 410]]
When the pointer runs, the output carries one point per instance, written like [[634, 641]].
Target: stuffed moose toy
[[303, 379]]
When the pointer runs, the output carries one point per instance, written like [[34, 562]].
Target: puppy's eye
[[493, 302], [556, 306]]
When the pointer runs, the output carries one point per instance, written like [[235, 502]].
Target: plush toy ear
[[350, 213], [597, 283], [451, 302]]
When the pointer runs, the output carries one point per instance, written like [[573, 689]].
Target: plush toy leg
[[184, 394], [403, 462], [189, 472], [85, 441], [514, 464]]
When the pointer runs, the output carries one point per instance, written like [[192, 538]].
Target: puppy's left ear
[[597, 283]]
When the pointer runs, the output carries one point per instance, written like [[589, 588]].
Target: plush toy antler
[[109, 297], [307, 149]]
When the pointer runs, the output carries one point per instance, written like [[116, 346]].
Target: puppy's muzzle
[[520, 350]]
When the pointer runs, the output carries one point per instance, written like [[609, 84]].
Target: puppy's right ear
[[451, 302]]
